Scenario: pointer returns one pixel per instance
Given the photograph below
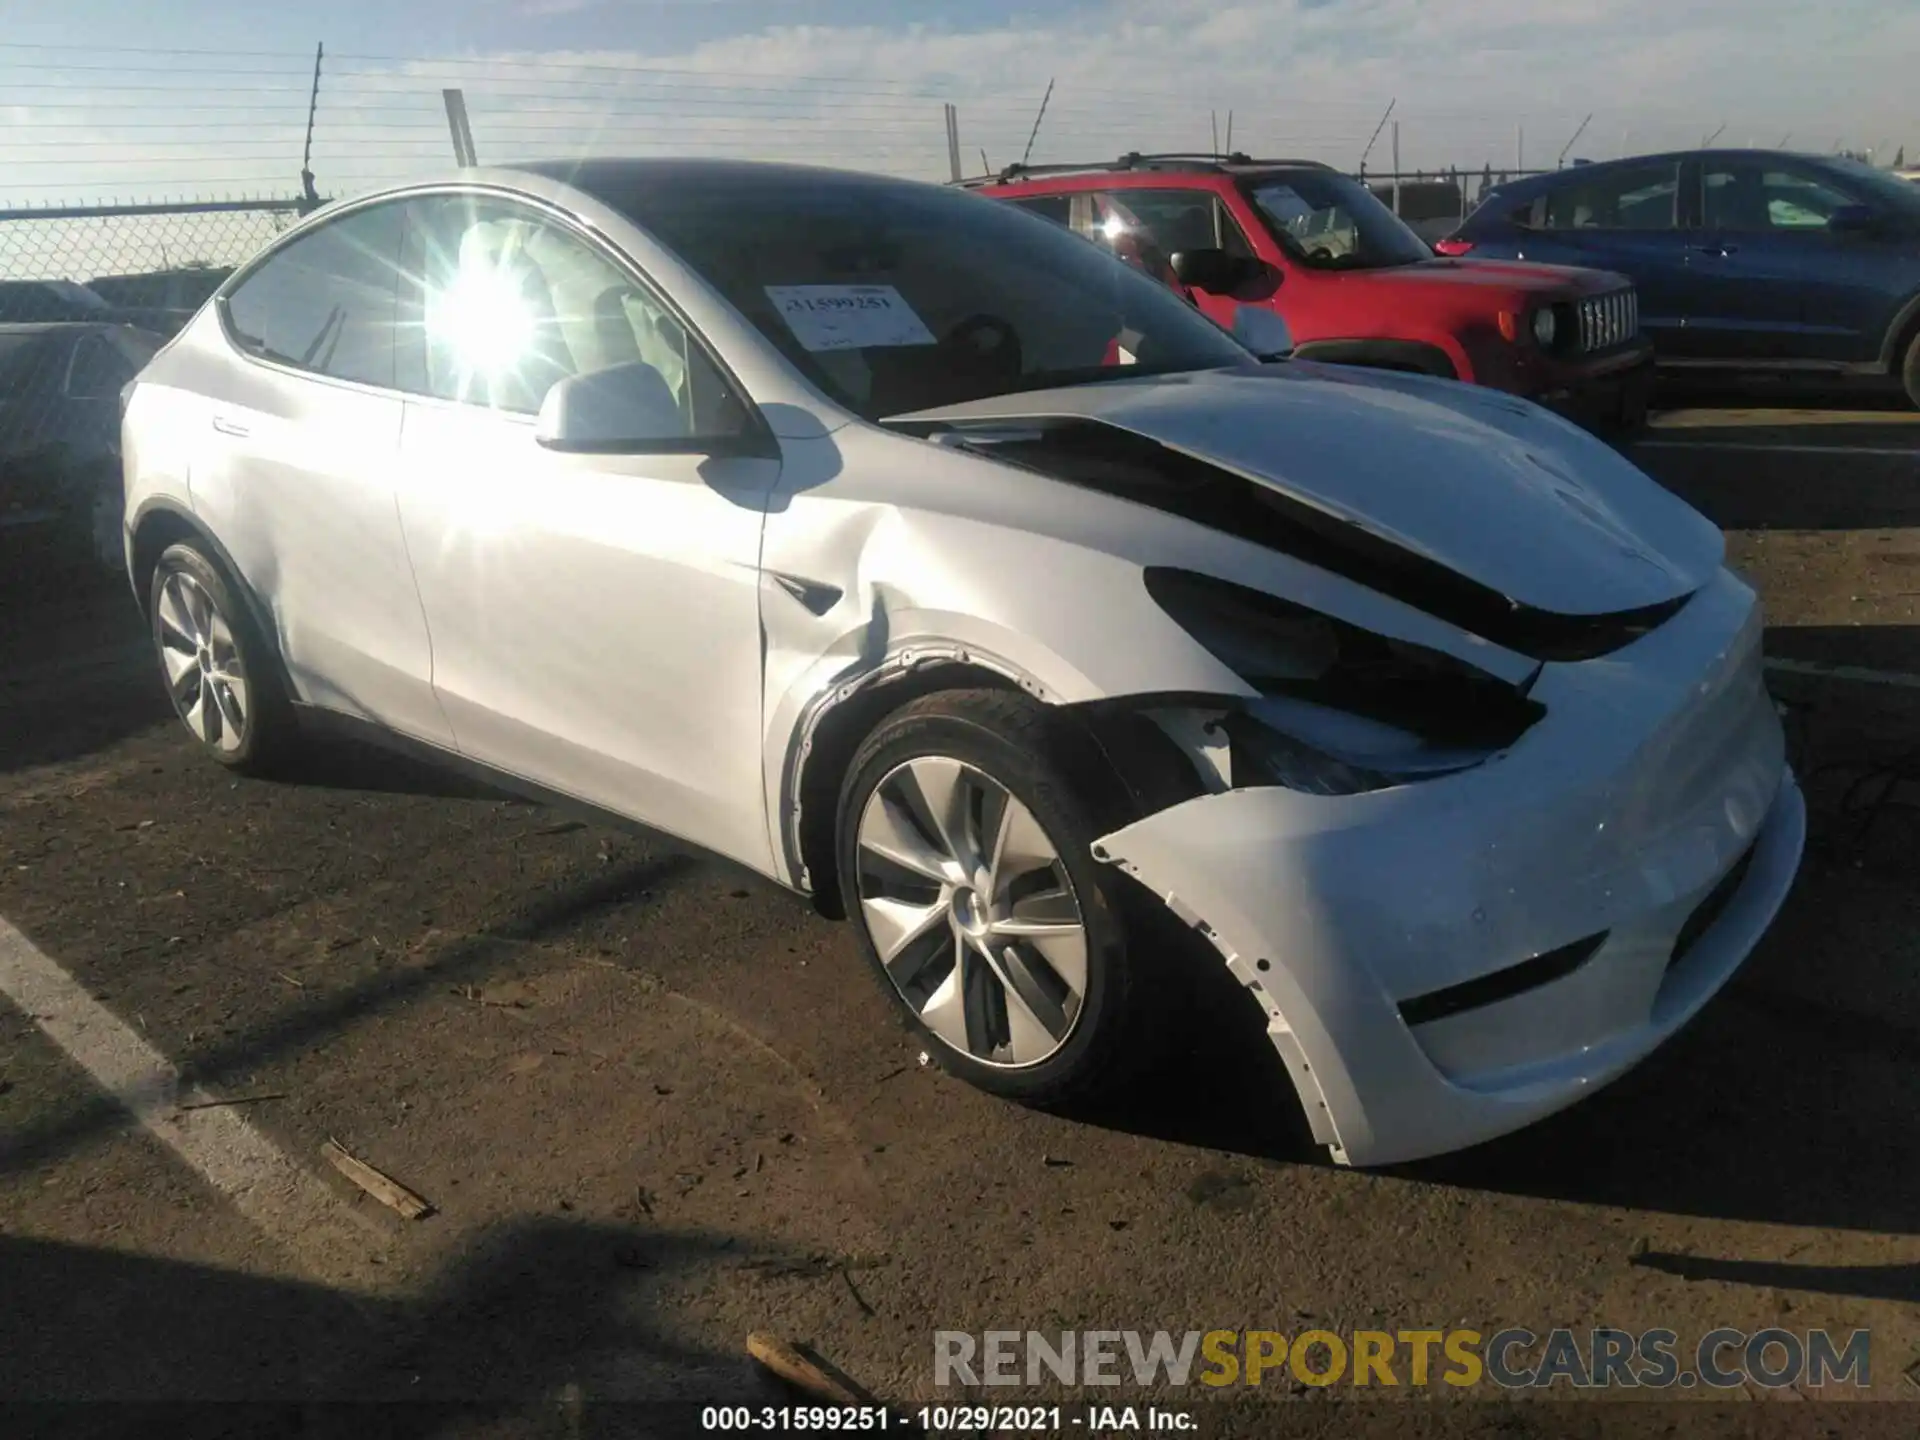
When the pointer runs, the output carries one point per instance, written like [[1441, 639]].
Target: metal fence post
[[309, 196], [1396, 167], [462, 132]]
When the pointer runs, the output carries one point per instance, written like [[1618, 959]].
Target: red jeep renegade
[[1354, 284]]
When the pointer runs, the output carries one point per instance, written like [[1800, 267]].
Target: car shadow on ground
[[1899, 1283], [1893, 649], [531, 1332], [471, 961], [78, 675]]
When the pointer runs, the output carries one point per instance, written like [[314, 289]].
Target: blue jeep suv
[[1745, 260]]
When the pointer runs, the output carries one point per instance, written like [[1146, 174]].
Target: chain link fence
[[87, 294]]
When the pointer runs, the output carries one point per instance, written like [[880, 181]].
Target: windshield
[[1329, 222], [1879, 187], [893, 296]]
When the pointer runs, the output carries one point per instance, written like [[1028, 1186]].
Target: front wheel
[[965, 834], [218, 670], [1910, 371]]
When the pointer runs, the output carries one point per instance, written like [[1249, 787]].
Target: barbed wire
[[91, 123], [78, 104]]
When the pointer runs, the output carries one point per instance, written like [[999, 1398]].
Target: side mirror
[[1262, 332], [622, 408], [1214, 271], [1853, 220]]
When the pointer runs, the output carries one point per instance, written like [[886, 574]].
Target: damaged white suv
[[933, 562]]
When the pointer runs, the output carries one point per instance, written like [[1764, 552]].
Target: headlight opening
[[1342, 711]]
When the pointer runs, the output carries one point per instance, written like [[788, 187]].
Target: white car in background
[[926, 559]]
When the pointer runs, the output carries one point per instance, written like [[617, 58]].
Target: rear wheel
[[966, 866], [1910, 370], [218, 670]]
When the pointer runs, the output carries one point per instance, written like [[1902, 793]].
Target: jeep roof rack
[[1191, 162]]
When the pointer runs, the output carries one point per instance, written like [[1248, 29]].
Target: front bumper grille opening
[[1710, 909], [1501, 984]]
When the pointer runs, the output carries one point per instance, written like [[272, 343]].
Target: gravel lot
[[657, 1105]]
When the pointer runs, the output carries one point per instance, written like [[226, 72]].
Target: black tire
[[1910, 370], [268, 733], [1123, 1019]]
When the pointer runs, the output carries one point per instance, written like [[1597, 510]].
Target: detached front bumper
[[1648, 828]]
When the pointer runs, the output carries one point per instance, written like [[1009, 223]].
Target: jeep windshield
[[893, 296], [1329, 222]]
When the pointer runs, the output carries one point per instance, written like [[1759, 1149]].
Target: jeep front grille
[[1609, 321]]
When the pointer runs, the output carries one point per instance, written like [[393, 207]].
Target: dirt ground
[[656, 1105]]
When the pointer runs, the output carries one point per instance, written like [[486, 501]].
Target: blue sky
[[103, 106]]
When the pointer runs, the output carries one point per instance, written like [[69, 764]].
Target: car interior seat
[[500, 247]]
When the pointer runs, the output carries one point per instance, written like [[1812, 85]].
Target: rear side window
[[326, 302], [1057, 208], [1638, 197]]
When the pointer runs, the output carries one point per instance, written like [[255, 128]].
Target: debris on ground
[[806, 1371], [236, 1100], [384, 1188], [858, 1298]]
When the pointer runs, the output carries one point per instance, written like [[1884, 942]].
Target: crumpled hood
[[1492, 488]]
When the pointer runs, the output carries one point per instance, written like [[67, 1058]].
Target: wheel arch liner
[[853, 684], [176, 513]]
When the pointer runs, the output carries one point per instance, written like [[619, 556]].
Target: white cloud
[[1300, 78]]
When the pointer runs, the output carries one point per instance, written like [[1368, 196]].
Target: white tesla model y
[[929, 560]]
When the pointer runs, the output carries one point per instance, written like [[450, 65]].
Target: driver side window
[[502, 302]]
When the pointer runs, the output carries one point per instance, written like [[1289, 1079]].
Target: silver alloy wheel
[[972, 912], [204, 672]]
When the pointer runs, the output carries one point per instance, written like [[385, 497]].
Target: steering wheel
[[1320, 252], [987, 341]]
